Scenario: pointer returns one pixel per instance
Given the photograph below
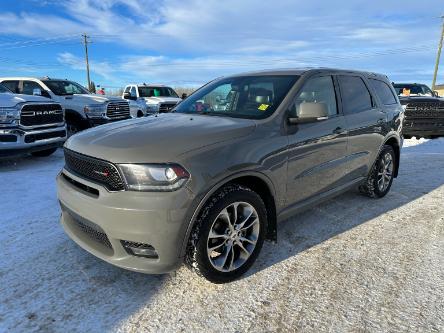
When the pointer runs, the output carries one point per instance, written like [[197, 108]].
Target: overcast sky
[[181, 42]]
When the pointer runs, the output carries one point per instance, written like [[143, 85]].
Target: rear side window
[[318, 90], [355, 95], [383, 91], [12, 85]]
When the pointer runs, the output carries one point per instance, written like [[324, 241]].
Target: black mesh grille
[[425, 110], [41, 114], [93, 231], [94, 169]]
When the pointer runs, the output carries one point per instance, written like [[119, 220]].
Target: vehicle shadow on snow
[[349, 210]]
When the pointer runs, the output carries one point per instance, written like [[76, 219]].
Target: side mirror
[[310, 112], [435, 93], [127, 95], [37, 92], [184, 96]]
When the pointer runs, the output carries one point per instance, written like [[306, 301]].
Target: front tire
[[228, 234], [44, 153], [380, 178]]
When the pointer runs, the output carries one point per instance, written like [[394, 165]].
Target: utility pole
[[438, 57], [86, 42]]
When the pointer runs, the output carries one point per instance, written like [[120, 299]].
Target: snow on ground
[[351, 264]]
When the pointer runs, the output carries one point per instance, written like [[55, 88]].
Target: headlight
[[8, 115], [154, 177], [95, 110], [404, 106]]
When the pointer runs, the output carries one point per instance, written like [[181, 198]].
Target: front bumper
[[423, 127], [154, 218], [17, 141]]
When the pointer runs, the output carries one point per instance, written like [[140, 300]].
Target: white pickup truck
[[150, 98], [83, 109], [29, 124]]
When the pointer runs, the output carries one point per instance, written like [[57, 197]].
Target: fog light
[[140, 249]]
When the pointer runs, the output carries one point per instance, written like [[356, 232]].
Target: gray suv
[[207, 183]]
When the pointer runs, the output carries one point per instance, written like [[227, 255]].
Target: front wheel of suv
[[228, 235], [381, 176]]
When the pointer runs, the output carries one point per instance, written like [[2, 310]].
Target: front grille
[[118, 110], [30, 138], [425, 110], [166, 107], [41, 114], [92, 230], [96, 170]]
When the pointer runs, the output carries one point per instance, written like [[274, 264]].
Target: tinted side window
[[355, 95], [29, 86], [318, 90], [12, 85], [383, 91]]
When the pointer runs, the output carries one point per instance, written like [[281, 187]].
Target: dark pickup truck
[[424, 110]]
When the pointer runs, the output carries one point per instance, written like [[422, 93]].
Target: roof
[[304, 70]]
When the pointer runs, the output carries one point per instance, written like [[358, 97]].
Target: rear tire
[[228, 235], [44, 153], [380, 178]]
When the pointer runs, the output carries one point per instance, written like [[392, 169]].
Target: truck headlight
[[154, 177], [95, 110], [8, 115]]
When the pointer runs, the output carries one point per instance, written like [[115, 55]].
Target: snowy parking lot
[[350, 264]]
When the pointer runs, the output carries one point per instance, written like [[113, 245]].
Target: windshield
[[63, 87], [252, 97], [412, 89], [157, 92], [3, 89]]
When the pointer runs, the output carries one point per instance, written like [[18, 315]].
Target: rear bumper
[[16, 141], [157, 219]]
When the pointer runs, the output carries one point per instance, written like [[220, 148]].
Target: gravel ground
[[350, 264]]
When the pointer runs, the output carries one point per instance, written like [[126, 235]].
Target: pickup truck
[[29, 124], [424, 110], [82, 109], [150, 98]]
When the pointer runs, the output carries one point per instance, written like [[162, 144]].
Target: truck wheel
[[44, 153], [228, 234], [380, 178]]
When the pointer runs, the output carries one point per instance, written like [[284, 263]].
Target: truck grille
[[118, 110], [425, 110], [96, 170], [41, 114], [166, 107]]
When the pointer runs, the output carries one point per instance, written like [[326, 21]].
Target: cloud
[[196, 40]]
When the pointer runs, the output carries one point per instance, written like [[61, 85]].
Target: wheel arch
[[394, 142], [258, 183]]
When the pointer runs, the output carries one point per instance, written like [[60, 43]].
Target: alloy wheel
[[233, 236]]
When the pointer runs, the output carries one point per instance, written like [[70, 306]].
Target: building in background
[[440, 89]]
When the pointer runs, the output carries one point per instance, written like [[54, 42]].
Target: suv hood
[[159, 139], [91, 98], [157, 100], [10, 100]]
